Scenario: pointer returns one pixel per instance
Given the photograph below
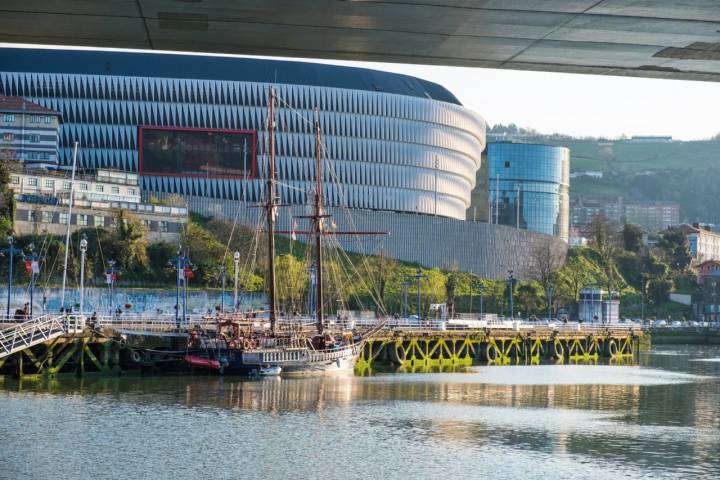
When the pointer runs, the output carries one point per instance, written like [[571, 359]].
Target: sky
[[573, 104], [578, 105]]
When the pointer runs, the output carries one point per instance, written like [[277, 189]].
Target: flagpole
[[69, 221]]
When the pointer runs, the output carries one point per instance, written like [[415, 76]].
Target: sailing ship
[[244, 342]]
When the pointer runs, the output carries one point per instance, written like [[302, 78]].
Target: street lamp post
[[405, 285], [10, 250], [236, 260], [223, 270], [642, 298], [471, 296], [185, 271], [83, 251], [418, 276], [481, 301], [550, 292], [111, 277], [179, 260], [185, 293], [713, 310], [642, 307], [511, 284], [312, 290], [34, 269]]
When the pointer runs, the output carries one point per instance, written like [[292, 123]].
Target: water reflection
[[658, 418]]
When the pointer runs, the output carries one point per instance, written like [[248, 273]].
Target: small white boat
[[268, 371]]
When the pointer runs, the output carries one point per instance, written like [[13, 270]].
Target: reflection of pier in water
[[316, 393], [598, 411]]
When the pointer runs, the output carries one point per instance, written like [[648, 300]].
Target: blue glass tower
[[528, 187]]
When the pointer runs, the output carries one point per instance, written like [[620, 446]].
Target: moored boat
[[288, 346], [198, 361]]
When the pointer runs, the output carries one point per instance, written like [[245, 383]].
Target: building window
[[131, 191], [99, 221], [15, 180], [9, 117], [66, 185], [507, 164], [162, 226], [148, 224], [115, 189], [8, 137], [63, 218], [82, 220], [99, 188], [34, 118], [33, 182], [47, 217], [50, 183], [48, 118], [34, 138], [32, 216], [83, 186]]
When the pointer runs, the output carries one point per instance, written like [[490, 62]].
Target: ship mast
[[318, 224], [271, 209], [317, 230]]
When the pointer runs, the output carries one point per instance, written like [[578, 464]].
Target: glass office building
[[528, 187]]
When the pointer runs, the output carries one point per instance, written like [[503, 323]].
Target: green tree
[[530, 298], [659, 289], [251, 244], [675, 248], [453, 280], [432, 288], [603, 242], [160, 255], [546, 261], [7, 202], [579, 271], [132, 243], [206, 253], [377, 273], [632, 237], [292, 279]]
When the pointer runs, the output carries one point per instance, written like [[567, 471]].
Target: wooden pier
[[111, 346], [416, 350]]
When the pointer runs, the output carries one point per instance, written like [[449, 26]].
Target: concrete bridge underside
[[677, 39]]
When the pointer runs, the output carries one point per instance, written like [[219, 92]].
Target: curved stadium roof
[[94, 62]]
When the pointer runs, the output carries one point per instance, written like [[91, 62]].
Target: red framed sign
[[197, 152]]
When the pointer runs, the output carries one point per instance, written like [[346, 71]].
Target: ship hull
[[304, 361]]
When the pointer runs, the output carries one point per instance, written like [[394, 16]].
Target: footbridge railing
[[31, 332]]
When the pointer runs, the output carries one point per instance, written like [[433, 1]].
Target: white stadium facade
[[402, 153]]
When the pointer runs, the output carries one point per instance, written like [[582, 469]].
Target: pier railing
[[149, 322], [166, 323], [31, 332], [500, 323]]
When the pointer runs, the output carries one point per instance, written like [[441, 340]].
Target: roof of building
[[689, 229], [167, 65], [708, 262], [23, 105], [526, 144]]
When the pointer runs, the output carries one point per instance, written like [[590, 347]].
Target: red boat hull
[[196, 361]]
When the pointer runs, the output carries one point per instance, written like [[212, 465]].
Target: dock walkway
[[53, 344]]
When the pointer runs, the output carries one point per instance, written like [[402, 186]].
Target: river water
[[658, 418]]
